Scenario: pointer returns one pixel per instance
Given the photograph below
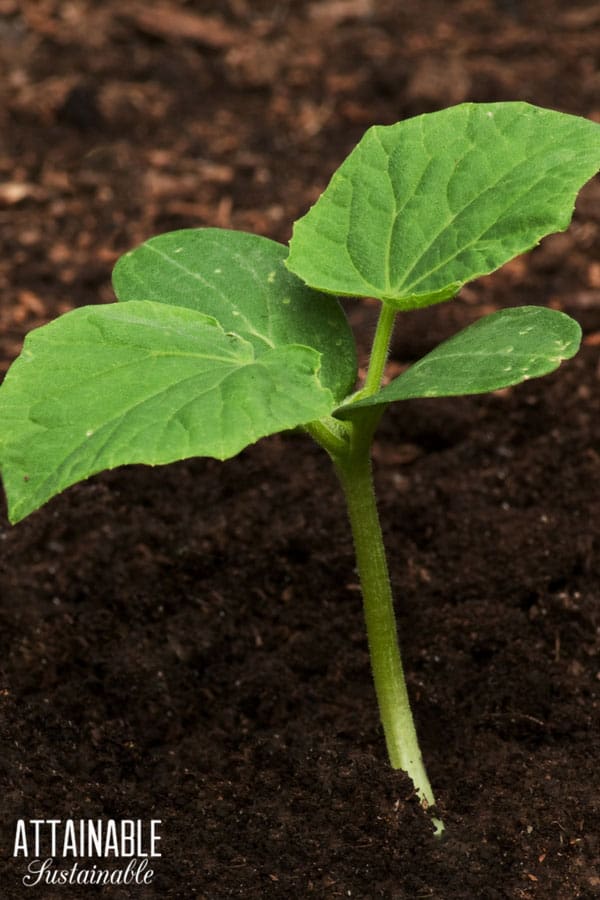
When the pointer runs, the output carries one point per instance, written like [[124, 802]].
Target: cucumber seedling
[[222, 337]]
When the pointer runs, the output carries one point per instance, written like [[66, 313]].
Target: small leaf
[[499, 350], [423, 206], [241, 280], [142, 382]]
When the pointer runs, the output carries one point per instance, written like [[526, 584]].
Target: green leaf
[[499, 350], [142, 382], [241, 280], [423, 206]]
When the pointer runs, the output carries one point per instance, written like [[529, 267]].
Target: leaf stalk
[[331, 434], [379, 353]]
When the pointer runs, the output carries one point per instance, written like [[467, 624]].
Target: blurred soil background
[[187, 644]]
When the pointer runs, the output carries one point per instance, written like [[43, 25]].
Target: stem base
[[354, 472]]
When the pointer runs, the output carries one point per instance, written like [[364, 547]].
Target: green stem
[[354, 471], [330, 433], [379, 351], [349, 446]]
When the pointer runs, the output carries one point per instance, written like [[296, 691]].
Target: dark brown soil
[[187, 643]]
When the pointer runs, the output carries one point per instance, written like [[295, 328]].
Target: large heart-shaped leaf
[[423, 206], [143, 382], [499, 350], [241, 280]]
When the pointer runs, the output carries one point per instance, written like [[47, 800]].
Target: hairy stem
[[379, 351], [349, 446], [354, 471]]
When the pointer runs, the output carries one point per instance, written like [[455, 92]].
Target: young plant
[[223, 337]]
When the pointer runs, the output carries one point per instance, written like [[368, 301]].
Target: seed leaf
[[142, 382], [241, 280], [499, 350], [421, 207]]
